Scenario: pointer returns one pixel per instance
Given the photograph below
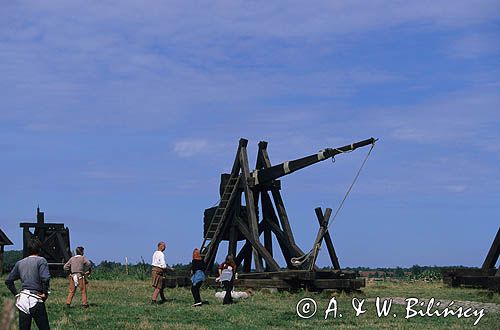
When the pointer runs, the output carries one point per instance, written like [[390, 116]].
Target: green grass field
[[125, 305]]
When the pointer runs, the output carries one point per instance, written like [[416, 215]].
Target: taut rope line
[[297, 261]]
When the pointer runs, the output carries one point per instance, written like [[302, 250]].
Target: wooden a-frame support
[[323, 235], [273, 221]]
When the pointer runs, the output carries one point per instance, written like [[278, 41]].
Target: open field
[[125, 305]]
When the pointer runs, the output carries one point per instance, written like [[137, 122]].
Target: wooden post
[[126, 265], [319, 237], [493, 253], [233, 240], [250, 203], [278, 201], [328, 239]]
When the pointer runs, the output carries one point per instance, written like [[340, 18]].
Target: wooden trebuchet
[[251, 205], [486, 277], [55, 242]]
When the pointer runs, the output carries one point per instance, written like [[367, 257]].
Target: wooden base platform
[[472, 277], [288, 280]]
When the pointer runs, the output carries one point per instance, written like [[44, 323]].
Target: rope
[[300, 260]]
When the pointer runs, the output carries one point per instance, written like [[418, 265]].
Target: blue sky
[[118, 118]]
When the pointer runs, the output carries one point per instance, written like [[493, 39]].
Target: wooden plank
[[350, 284], [251, 212], [319, 237], [53, 226], [451, 272], [328, 240], [493, 253], [484, 282], [278, 201], [268, 243], [257, 246], [233, 242]]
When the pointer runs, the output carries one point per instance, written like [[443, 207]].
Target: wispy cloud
[[191, 147], [476, 45], [463, 115]]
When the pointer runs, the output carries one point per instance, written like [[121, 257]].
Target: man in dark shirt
[[33, 271]]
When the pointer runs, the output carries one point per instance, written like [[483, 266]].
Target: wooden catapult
[[233, 221], [486, 277], [55, 242]]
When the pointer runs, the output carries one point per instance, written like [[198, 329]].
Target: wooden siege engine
[[55, 242], [237, 217], [486, 277]]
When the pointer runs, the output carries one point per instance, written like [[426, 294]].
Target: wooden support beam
[[246, 247], [268, 243], [328, 239], [268, 240], [493, 253], [285, 249], [256, 245], [283, 217], [243, 252], [247, 260], [289, 249], [321, 232], [278, 201], [233, 240], [251, 211]]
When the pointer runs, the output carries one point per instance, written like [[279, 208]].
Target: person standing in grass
[[198, 276], [159, 268], [33, 271], [79, 268], [226, 273]]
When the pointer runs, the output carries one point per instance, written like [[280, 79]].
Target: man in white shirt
[[158, 272]]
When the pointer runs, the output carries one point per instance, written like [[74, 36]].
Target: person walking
[[79, 268], [159, 268], [33, 271], [226, 274], [198, 276]]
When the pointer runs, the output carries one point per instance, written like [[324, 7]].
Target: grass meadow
[[125, 305]]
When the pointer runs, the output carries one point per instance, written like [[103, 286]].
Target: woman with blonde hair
[[198, 276]]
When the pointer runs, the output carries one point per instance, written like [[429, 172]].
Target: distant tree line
[[142, 270]]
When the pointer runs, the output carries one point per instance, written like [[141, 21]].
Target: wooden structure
[[4, 240], [487, 277], [55, 242], [237, 218]]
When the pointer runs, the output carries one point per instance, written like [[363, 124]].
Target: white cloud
[[191, 147]]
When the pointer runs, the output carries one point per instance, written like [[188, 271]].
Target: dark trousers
[[195, 290], [228, 286], [39, 314]]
